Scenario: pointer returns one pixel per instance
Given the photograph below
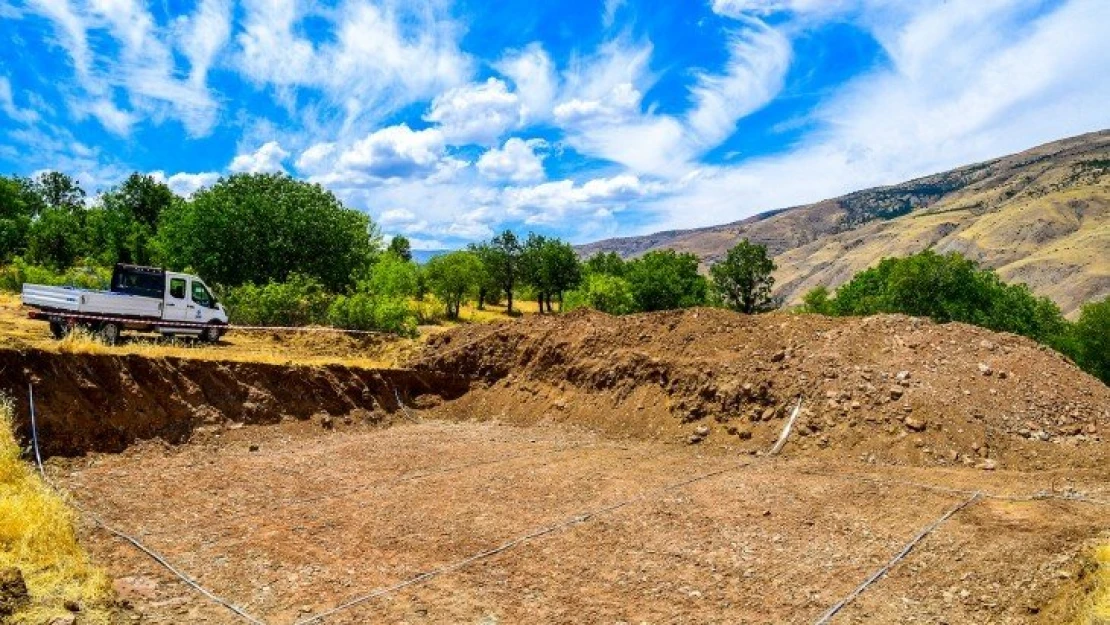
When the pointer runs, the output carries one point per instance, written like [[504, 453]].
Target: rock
[[914, 424], [778, 356], [987, 345], [988, 464], [902, 376], [896, 392], [68, 619], [702, 430], [1002, 375], [694, 439], [13, 591], [327, 422], [253, 447], [985, 369], [768, 414], [72, 605], [135, 588]]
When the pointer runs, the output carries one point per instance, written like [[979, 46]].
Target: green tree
[[453, 278], [393, 276], [142, 197], [488, 287], [665, 280], [532, 271], [560, 270], [60, 191], [55, 238], [743, 278], [817, 301], [1092, 335], [609, 263], [400, 246], [18, 206], [264, 227], [604, 292], [501, 258]]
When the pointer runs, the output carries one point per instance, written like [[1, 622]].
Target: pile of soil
[[889, 388], [105, 402]]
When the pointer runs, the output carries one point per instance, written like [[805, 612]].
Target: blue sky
[[583, 119]]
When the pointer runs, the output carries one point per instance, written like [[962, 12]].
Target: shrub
[[1092, 339], [299, 301], [603, 292], [18, 272], [365, 311]]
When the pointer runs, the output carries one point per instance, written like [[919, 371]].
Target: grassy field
[[37, 537], [299, 348]]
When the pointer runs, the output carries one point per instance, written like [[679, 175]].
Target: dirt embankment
[[104, 402], [881, 389]]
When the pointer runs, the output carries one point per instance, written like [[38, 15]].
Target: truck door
[[177, 300], [204, 304]]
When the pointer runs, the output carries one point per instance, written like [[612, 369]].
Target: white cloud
[[380, 56], [186, 184], [476, 113], [619, 105], [605, 116], [266, 159], [8, 105], [141, 67], [516, 161], [388, 155], [552, 203], [111, 117], [203, 35], [759, 57], [316, 159], [610, 11], [533, 76]]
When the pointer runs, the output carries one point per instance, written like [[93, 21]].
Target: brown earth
[[567, 441], [314, 519], [105, 402], [889, 389]]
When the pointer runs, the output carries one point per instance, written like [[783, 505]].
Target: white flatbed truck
[[142, 299]]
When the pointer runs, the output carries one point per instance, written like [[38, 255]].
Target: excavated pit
[[104, 402]]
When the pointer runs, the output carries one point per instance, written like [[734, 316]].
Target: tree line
[[286, 252]]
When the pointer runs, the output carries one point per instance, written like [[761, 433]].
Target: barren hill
[[1041, 217]]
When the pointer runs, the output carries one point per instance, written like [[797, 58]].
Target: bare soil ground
[[312, 519], [619, 461]]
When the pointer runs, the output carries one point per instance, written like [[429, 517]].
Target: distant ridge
[[1041, 217]]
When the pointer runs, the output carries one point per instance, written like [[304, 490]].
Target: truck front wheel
[[211, 334]]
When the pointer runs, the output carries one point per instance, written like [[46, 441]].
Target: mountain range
[[1041, 217]]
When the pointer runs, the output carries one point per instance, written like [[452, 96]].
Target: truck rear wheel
[[58, 329], [110, 332]]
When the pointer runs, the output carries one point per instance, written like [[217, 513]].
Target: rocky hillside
[[1041, 217]]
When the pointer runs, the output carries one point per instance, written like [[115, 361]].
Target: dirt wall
[[98, 402]]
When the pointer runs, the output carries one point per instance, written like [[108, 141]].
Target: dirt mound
[[104, 402], [884, 389]]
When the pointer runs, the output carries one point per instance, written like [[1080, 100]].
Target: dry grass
[[37, 536], [315, 348], [1097, 609]]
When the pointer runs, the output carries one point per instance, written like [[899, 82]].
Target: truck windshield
[[202, 296]]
